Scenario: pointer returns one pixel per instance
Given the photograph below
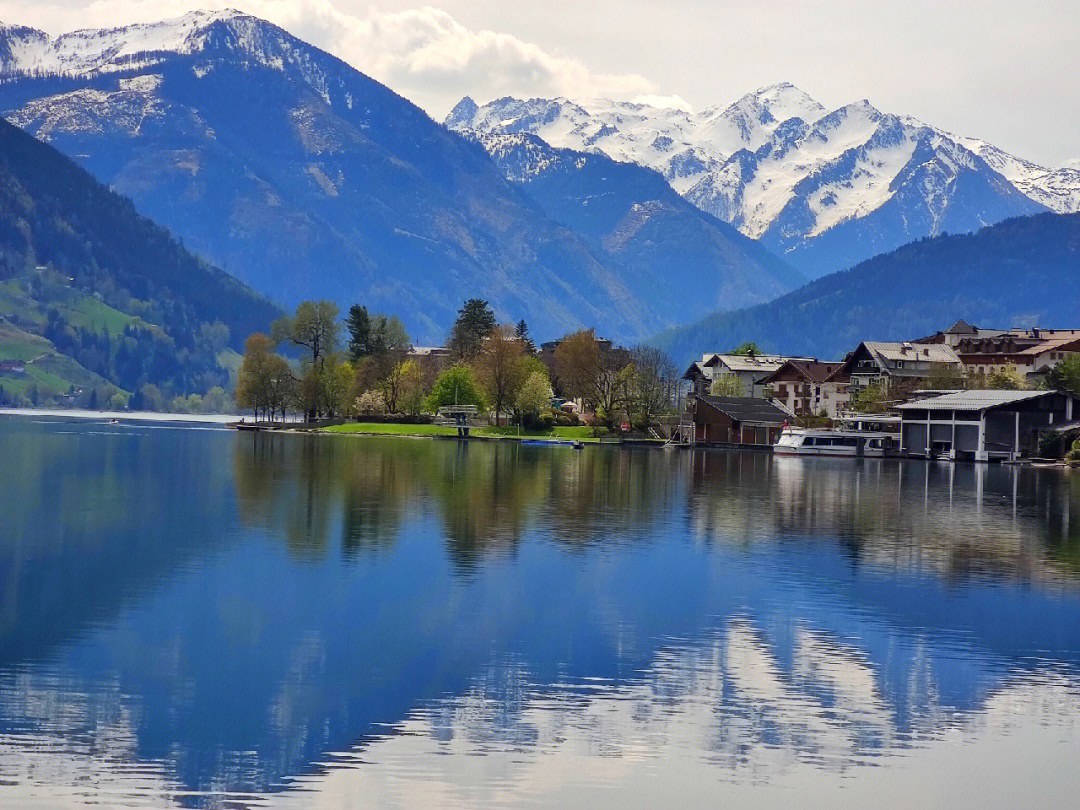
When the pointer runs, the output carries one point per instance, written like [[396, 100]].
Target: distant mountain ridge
[[1021, 272], [305, 178], [822, 189], [667, 247]]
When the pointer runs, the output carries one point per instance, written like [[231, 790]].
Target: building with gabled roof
[[809, 387], [961, 330], [1033, 351], [736, 420], [748, 369], [881, 363]]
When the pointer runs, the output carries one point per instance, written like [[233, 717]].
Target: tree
[[1065, 375], [391, 387], [370, 403], [474, 322], [500, 368], [727, 385], [151, 398], [747, 349], [946, 377], [1006, 378], [611, 387], [336, 378], [358, 324], [577, 365], [281, 386], [455, 386], [521, 331], [265, 382], [534, 396], [390, 332], [653, 383], [412, 388], [873, 398], [313, 327], [373, 334], [216, 400], [251, 380]]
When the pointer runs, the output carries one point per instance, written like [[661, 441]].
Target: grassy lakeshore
[[582, 434]]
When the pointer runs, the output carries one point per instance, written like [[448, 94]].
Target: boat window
[[809, 441]]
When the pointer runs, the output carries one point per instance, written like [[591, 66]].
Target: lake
[[195, 617]]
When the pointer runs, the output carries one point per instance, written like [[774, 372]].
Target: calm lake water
[[199, 618]]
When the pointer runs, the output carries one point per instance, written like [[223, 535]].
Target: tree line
[[361, 366]]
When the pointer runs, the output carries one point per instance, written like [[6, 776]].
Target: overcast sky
[[1002, 70]]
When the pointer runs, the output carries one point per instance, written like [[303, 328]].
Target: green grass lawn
[[581, 433], [392, 429]]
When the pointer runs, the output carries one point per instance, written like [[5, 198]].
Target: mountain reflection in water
[[203, 618]]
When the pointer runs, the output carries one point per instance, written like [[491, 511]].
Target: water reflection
[[207, 619]]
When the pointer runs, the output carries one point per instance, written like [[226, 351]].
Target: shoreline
[[123, 416]]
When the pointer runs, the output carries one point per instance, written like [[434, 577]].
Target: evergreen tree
[[358, 322], [521, 332], [474, 322]]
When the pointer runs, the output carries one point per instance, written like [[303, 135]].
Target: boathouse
[[983, 425], [735, 420]]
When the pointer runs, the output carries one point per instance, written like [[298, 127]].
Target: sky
[[1001, 70]]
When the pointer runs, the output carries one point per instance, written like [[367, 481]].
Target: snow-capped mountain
[[825, 189], [305, 178], [633, 217]]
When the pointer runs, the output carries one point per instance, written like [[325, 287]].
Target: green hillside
[[99, 297]]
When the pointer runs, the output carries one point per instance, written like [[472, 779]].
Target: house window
[[899, 363]]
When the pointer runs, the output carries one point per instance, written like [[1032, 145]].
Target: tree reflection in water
[[338, 593], [950, 520]]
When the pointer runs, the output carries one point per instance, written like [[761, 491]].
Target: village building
[[747, 421], [427, 351], [1032, 351], [983, 425], [877, 363], [748, 369], [13, 367], [961, 330], [809, 388]]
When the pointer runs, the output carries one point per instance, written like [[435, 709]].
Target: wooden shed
[[736, 420]]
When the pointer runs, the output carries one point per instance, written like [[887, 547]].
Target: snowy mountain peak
[[26, 50], [784, 101], [464, 111], [782, 168]]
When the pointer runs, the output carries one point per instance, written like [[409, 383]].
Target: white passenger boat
[[870, 437]]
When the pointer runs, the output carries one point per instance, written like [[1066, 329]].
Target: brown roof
[[813, 370], [747, 409]]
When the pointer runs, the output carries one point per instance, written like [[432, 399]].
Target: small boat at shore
[[857, 436], [556, 442]]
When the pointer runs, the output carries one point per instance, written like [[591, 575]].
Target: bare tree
[[653, 383], [500, 367]]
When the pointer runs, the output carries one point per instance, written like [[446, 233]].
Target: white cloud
[[422, 53]]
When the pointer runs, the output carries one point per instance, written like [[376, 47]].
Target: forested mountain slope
[[1022, 272], [83, 276]]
